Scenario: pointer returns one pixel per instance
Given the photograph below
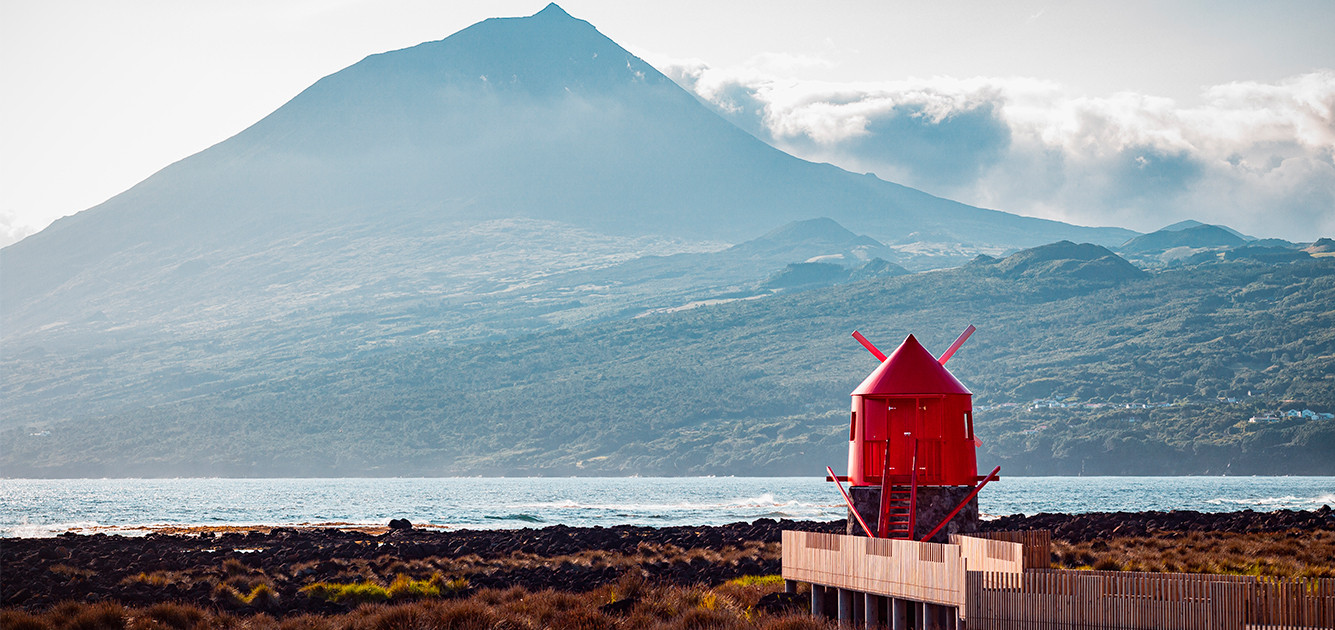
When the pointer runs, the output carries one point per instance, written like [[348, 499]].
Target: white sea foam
[[1286, 502], [43, 530]]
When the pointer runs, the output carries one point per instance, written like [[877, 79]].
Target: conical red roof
[[910, 369]]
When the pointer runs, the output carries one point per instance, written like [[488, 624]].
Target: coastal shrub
[[757, 580], [11, 619], [630, 585], [262, 596], [496, 597], [81, 616], [305, 622], [156, 578], [581, 619], [1254, 553], [706, 619], [72, 573], [797, 622], [459, 615], [98, 616], [172, 614], [544, 606], [403, 587], [234, 567], [359, 592], [1107, 564]]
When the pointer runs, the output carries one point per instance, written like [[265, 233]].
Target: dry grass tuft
[[173, 615], [660, 607], [1279, 554], [402, 588]]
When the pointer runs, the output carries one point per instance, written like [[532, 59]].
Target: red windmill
[[911, 447]]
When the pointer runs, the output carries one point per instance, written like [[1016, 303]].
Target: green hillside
[[761, 386]]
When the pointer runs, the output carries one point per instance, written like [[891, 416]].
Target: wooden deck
[[1003, 583]]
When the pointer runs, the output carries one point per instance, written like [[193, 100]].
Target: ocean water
[[45, 507]]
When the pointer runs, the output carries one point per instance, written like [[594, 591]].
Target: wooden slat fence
[[997, 556], [1080, 600], [1037, 545], [926, 572], [1290, 604]]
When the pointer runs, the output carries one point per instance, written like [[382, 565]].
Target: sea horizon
[[136, 506]]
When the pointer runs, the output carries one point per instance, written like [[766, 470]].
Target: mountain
[[1066, 260], [1135, 373], [1191, 223], [819, 273], [823, 239], [523, 176], [1321, 246], [540, 118], [1195, 237]]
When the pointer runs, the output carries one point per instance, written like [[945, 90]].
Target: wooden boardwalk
[[923, 572], [1002, 582]]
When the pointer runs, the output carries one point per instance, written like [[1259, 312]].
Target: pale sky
[[1071, 110]]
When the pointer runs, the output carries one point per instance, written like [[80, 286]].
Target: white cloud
[[1256, 156], [12, 229]]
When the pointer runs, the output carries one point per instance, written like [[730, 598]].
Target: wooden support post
[[871, 607], [817, 600], [845, 606], [899, 614], [790, 586], [952, 617]]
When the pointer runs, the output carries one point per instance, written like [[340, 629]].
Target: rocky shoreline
[[210, 570]]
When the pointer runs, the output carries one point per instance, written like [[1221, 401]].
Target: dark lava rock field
[[210, 570]]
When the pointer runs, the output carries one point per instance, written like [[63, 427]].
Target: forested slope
[[761, 386]]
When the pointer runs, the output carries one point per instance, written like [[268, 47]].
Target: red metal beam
[[849, 501], [950, 352], [870, 348], [959, 507], [883, 523]]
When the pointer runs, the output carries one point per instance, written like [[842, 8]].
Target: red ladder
[[899, 503]]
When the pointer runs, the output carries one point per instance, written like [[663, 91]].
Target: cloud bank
[[1255, 156], [13, 228]]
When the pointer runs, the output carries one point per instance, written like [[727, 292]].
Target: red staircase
[[899, 503]]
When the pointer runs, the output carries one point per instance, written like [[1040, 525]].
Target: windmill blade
[[950, 352], [868, 345]]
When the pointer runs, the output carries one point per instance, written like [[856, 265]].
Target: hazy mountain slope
[[539, 118], [751, 387], [1198, 236]]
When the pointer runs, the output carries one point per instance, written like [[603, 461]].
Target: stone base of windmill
[[934, 503]]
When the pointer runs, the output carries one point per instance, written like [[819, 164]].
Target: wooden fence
[[925, 572], [997, 556], [1080, 600], [1290, 604], [1037, 545]]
